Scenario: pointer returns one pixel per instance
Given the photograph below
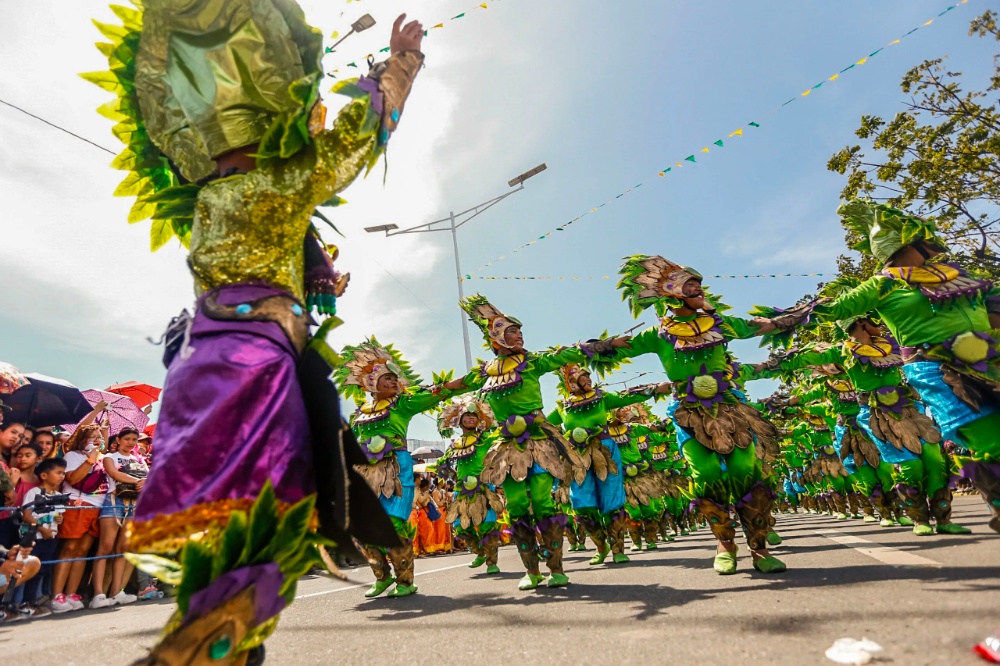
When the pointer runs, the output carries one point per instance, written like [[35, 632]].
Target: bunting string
[[612, 277], [437, 26], [713, 147]]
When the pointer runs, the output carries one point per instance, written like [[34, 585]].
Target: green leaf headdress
[[833, 290], [489, 319], [885, 230], [198, 78], [653, 281], [449, 420], [364, 364]]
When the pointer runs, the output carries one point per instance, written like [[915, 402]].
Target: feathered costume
[[476, 505], [940, 316], [380, 425], [530, 452], [194, 81], [599, 499], [712, 421]]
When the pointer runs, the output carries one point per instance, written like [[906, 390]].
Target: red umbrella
[[150, 429], [142, 395]]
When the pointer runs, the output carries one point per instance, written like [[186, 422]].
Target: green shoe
[[923, 530], [403, 590], [558, 580], [478, 562], [650, 546], [493, 569], [636, 547], [685, 533], [773, 539], [904, 521], [670, 538], [599, 557], [725, 563], [886, 522], [952, 528], [529, 582], [769, 564], [379, 586], [620, 558], [871, 519]]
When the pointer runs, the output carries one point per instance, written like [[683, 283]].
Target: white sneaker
[[60, 604], [123, 599], [101, 601], [76, 601]]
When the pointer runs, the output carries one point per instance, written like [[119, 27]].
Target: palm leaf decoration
[[355, 358], [481, 312], [641, 276], [159, 194]]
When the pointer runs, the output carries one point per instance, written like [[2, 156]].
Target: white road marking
[[354, 587], [884, 554]]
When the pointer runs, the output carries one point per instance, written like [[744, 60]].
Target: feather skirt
[[471, 511], [597, 457], [382, 477], [734, 425], [906, 430], [856, 445], [506, 458], [641, 489]]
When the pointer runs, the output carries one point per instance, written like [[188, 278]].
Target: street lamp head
[[527, 174], [363, 23], [382, 227]]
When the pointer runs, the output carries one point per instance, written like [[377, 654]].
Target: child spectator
[[25, 459], [45, 521]]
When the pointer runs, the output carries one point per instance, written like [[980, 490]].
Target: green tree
[[939, 158]]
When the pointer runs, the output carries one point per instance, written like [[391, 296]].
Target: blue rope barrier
[[85, 559]]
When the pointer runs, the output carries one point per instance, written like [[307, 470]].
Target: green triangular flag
[[459, 16], [690, 158], [754, 125], [719, 143], [352, 64], [385, 50]]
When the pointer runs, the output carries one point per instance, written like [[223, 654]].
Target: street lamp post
[[452, 223]]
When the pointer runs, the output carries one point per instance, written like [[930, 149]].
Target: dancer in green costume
[[389, 396], [945, 322], [880, 424], [667, 460], [583, 414], [713, 424], [644, 487], [476, 505], [530, 452]]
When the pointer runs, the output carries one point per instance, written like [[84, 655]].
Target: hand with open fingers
[[407, 38]]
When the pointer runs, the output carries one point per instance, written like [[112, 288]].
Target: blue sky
[[605, 93]]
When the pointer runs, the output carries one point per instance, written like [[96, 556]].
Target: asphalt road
[[925, 600]]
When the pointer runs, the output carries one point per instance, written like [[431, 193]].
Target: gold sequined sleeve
[[342, 152]]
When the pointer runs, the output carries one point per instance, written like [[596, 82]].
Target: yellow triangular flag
[[806, 93], [439, 25], [929, 22], [484, 6], [679, 165], [862, 61], [705, 149], [834, 77], [895, 41], [335, 35], [738, 132]]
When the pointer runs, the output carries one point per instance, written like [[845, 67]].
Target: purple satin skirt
[[232, 418]]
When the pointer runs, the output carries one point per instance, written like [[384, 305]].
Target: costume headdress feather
[[489, 319], [449, 420], [365, 363], [884, 230], [653, 281]]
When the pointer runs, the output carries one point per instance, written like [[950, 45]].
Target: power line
[[61, 129]]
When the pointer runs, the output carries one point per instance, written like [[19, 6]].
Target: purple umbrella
[[121, 411]]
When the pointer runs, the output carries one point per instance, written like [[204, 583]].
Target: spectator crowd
[[66, 499]]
